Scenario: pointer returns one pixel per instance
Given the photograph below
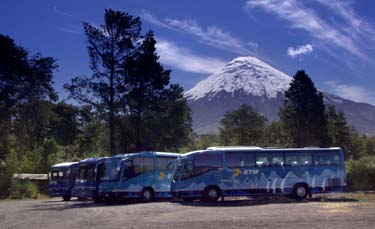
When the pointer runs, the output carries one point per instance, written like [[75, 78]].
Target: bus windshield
[[60, 174], [87, 172], [110, 170]]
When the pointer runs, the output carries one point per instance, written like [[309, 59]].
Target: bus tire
[[211, 194], [300, 191], [147, 195], [66, 198]]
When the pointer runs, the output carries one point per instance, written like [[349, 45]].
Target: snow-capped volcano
[[248, 80], [247, 74]]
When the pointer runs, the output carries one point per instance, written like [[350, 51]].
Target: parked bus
[[86, 185], [245, 171], [62, 178], [144, 175]]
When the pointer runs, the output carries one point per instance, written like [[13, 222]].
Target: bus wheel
[[211, 194], [147, 195], [66, 198], [300, 191]]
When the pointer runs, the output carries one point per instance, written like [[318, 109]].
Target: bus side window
[[206, 162], [101, 170], [143, 165], [277, 160], [327, 158], [164, 162], [291, 160], [129, 170], [188, 170], [239, 159], [298, 159], [262, 160]]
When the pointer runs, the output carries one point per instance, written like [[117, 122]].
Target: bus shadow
[[233, 202], [61, 205], [54, 205]]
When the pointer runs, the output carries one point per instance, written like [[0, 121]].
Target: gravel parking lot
[[327, 211]]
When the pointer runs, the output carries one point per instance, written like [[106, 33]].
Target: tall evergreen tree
[[303, 113], [109, 46], [23, 77], [156, 107], [24, 80], [243, 126], [338, 129]]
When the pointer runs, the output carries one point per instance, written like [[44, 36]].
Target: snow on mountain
[[248, 80], [247, 74]]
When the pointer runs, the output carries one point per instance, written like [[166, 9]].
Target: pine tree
[[157, 108], [303, 113], [338, 129], [243, 126], [109, 46]]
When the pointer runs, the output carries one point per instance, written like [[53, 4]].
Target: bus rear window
[[59, 174], [327, 158]]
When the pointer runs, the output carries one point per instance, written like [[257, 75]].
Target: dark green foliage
[[64, 123], [303, 113], [23, 77], [275, 135], [23, 189], [338, 130], [361, 173], [243, 126], [109, 46], [156, 109]]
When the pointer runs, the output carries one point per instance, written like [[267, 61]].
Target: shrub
[[23, 189], [361, 173]]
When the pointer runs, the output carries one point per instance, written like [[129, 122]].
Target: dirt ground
[[349, 210]]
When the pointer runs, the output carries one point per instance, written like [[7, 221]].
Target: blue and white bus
[[144, 175], [86, 185], [62, 178], [245, 171]]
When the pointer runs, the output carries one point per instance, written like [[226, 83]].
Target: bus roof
[[252, 148], [147, 153], [64, 164], [232, 147], [91, 160], [268, 148]]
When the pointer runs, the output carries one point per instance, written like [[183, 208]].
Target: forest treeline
[[128, 104]]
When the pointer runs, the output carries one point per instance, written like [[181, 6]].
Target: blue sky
[[334, 41]]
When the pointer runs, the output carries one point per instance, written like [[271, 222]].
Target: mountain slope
[[248, 80]]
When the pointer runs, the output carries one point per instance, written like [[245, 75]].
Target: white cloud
[[300, 50], [210, 35], [302, 17], [184, 59], [359, 28], [352, 92], [153, 20]]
